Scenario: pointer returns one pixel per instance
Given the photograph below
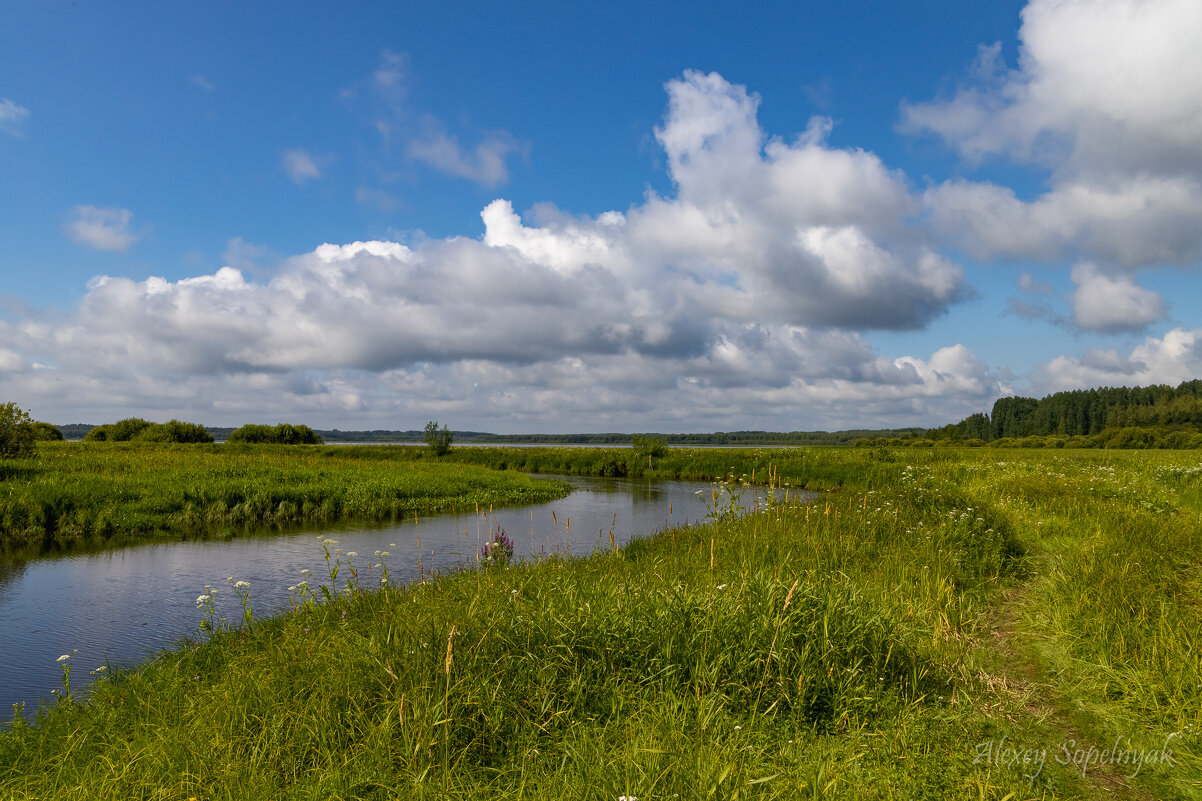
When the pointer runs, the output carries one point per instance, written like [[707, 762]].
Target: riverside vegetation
[[103, 494], [947, 623], [106, 494]]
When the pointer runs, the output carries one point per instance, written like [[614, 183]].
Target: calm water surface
[[123, 606]]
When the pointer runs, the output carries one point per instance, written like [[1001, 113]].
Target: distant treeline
[[1159, 416], [732, 438]]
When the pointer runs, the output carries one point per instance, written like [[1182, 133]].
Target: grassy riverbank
[[918, 638], [73, 495], [814, 468]]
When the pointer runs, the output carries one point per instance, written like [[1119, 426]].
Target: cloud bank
[[738, 301], [1105, 99], [744, 297]]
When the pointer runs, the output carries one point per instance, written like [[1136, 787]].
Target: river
[[120, 607]]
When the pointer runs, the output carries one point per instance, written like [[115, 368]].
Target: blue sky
[[645, 216]]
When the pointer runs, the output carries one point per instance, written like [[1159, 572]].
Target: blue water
[[124, 606]]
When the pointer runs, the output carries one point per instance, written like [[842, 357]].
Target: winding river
[[121, 607]]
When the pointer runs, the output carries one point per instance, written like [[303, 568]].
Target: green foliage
[[135, 429], [438, 440], [107, 494], [174, 431], [16, 432], [279, 434], [1111, 417], [644, 449], [45, 432]]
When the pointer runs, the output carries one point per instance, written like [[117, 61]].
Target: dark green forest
[[1159, 416]]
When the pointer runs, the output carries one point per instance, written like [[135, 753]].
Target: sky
[[539, 217]]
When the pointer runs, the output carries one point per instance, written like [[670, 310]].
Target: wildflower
[[351, 554], [203, 599], [63, 658], [242, 585]]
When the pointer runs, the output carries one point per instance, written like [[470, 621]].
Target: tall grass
[[814, 467], [880, 642], [94, 494]]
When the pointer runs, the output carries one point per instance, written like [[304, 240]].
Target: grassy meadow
[[105, 494], [944, 623]]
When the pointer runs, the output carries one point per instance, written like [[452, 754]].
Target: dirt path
[[1016, 674]]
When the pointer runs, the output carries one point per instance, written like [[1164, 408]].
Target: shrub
[[120, 431], [279, 434], [1132, 438], [16, 431], [44, 432], [438, 439], [137, 429], [174, 431], [642, 451]]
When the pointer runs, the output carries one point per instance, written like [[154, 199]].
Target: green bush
[[642, 451], [438, 439], [138, 430], [44, 432], [1133, 438], [279, 434], [16, 431]]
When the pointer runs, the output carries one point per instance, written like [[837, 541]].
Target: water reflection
[[9, 573]]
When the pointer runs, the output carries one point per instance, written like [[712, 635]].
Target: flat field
[[946, 623]]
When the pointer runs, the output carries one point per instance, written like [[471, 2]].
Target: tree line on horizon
[[1157, 416]]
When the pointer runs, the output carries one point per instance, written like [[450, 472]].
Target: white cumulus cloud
[[1171, 359], [1105, 98], [738, 300], [1112, 303]]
